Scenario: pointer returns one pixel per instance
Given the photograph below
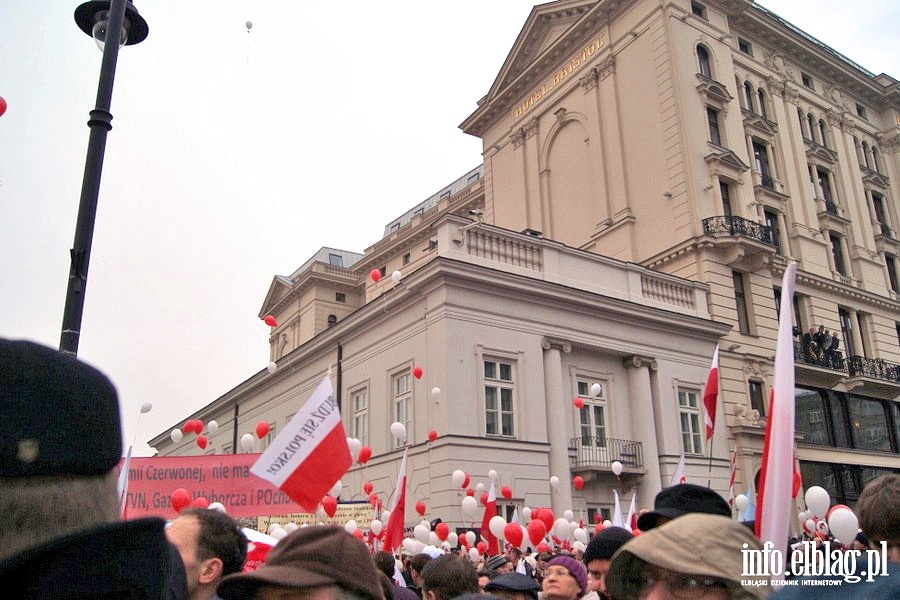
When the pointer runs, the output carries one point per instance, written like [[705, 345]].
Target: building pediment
[[759, 124], [713, 92], [820, 152], [875, 178], [728, 159], [279, 288]]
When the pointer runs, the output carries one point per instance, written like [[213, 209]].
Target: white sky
[[234, 157]]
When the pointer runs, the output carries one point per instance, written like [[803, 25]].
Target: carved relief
[[530, 128], [518, 137], [607, 67]]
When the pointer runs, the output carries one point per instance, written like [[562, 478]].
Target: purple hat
[[575, 568]]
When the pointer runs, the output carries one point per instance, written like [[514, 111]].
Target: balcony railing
[[833, 359], [600, 452], [739, 226], [876, 368], [854, 366], [831, 208], [767, 181]]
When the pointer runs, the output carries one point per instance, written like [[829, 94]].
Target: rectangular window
[[740, 298], [807, 80], [725, 190], [745, 46], [772, 224], [336, 260], [340, 297], [847, 331], [891, 265], [473, 178], [499, 391], [402, 399], [757, 400], [406, 258], [592, 417], [861, 111], [359, 401], [810, 416], [869, 424], [712, 116], [698, 9], [825, 185], [880, 215], [761, 159], [689, 418], [383, 271], [840, 424], [837, 252]]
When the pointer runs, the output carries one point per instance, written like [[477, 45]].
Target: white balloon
[[436, 393], [376, 526], [453, 539], [580, 535], [422, 533], [176, 436], [596, 389], [809, 526], [526, 514], [385, 515], [212, 427], [351, 526], [526, 542], [561, 528], [417, 547], [470, 538], [396, 276], [822, 527], [248, 25], [217, 506], [246, 442], [278, 533], [320, 513], [479, 487], [492, 474], [336, 489], [554, 482], [291, 527], [741, 501], [607, 523], [474, 556], [844, 525], [272, 367], [410, 544], [425, 523], [434, 540], [818, 501], [468, 507], [146, 407], [616, 468], [496, 525], [579, 546], [458, 477], [354, 445], [569, 515], [273, 527], [398, 430]]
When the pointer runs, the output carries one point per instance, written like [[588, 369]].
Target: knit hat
[[495, 562], [604, 544], [575, 568]]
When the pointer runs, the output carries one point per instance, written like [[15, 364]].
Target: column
[[557, 432], [858, 349], [783, 235], [644, 423]]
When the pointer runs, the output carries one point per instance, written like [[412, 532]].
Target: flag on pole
[[749, 513], [311, 454], [711, 394], [731, 479], [617, 520], [393, 534], [631, 519], [773, 506], [490, 510], [678, 475]]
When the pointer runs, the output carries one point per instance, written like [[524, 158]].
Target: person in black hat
[[513, 586], [598, 555], [682, 499], [60, 442]]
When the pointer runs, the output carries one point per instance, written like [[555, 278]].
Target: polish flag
[[711, 394], [490, 510], [393, 534], [731, 479], [617, 520], [773, 505], [678, 475], [631, 519], [311, 454]]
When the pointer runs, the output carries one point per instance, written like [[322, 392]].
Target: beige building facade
[[649, 171]]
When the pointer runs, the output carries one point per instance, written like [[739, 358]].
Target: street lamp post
[[108, 22]]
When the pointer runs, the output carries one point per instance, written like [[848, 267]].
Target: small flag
[[311, 454], [711, 394], [631, 519], [490, 511], [617, 520], [393, 535], [678, 475], [731, 479]]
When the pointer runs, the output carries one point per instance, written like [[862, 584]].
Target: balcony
[[743, 243], [593, 453], [739, 226], [874, 375]]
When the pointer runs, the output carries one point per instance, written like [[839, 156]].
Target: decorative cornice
[[636, 361]]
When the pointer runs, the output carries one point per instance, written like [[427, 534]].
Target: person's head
[[447, 577], [514, 586], [543, 559], [682, 499], [514, 554], [211, 546], [319, 562], [484, 577], [598, 554], [696, 554], [385, 563], [387, 586], [499, 563], [60, 441], [415, 564], [564, 579], [879, 513]]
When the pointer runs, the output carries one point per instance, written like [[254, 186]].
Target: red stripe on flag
[[760, 490], [325, 465], [393, 535], [490, 511], [711, 394]]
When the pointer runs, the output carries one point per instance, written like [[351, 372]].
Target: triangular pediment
[[727, 158], [280, 287]]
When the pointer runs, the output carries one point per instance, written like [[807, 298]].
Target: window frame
[[694, 416], [600, 402], [704, 61], [498, 385], [358, 414], [714, 126], [402, 399], [740, 300]]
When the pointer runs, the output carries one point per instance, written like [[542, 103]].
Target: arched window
[[811, 122], [748, 95], [761, 95], [865, 151], [703, 61], [823, 131], [332, 320]]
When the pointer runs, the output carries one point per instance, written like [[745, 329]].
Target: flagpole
[[709, 469]]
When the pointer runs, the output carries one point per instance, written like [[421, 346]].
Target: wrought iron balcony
[[875, 368], [811, 356], [853, 366], [739, 226], [597, 452]]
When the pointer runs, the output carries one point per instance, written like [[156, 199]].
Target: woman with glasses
[[564, 579]]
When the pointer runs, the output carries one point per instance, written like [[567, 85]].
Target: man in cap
[[499, 564], [60, 442], [447, 577], [598, 555], [513, 586], [682, 499], [319, 562], [211, 546]]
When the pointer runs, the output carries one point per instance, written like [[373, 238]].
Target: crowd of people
[[821, 347], [60, 536]]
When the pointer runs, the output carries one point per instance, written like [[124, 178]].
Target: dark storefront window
[[842, 420], [869, 424], [839, 421], [810, 417]]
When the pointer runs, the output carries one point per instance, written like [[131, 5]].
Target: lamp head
[[91, 16]]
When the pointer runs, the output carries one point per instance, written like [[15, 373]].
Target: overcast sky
[[235, 155]]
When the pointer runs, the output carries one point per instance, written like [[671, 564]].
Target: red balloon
[[202, 441], [470, 492], [201, 502], [375, 274], [365, 453], [2, 106], [578, 482], [798, 482], [598, 518], [543, 547], [598, 528], [262, 429], [832, 509], [190, 426], [546, 515], [512, 533], [482, 547], [578, 402], [329, 505], [180, 499], [536, 530], [484, 498], [465, 482], [442, 530], [420, 508], [270, 321], [506, 492], [368, 487], [432, 435], [373, 499], [417, 372], [358, 534]]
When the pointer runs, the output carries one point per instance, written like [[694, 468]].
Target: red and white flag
[[711, 394], [773, 506], [311, 454], [678, 475], [631, 519], [731, 479], [490, 510], [617, 520], [393, 533]]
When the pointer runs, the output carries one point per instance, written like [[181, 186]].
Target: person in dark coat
[[387, 565]]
